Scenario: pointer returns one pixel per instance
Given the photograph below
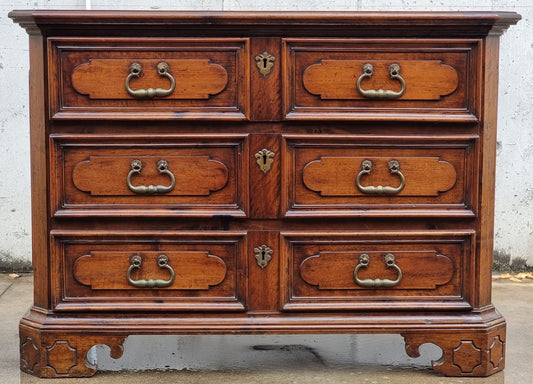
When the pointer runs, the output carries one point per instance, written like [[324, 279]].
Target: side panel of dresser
[[487, 166], [39, 171]]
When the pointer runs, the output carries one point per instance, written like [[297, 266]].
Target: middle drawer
[[171, 175], [371, 175]]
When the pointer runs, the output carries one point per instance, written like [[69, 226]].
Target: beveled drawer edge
[[382, 115], [229, 114], [382, 233], [59, 237], [237, 140], [358, 211], [463, 302], [126, 234], [453, 303], [466, 114], [109, 212], [94, 305], [468, 141], [57, 111]]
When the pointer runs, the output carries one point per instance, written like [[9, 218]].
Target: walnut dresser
[[229, 173]]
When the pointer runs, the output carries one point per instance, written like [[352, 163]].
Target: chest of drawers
[[262, 173]]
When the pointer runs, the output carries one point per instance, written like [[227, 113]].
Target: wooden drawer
[[425, 270], [381, 79], [202, 271], [379, 175], [205, 78], [169, 175]]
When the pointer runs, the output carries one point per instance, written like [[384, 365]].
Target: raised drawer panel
[[381, 176], [179, 175], [151, 271], [377, 270], [428, 272], [380, 79], [150, 78]]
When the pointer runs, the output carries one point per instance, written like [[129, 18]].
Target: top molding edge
[[270, 23]]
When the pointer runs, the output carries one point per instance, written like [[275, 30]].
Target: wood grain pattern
[[209, 266], [487, 165], [211, 173], [464, 354], [320, 173], [265, 187], [194, 270], [267, 107], [106, 176], [104, 79], [320, 270], [425, 80], [211, 74], [86, 223], [420, 269], [39, 179], [320, 78], [335, 176]]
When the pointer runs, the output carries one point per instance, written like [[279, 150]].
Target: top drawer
[[149, 78], [377, 79]]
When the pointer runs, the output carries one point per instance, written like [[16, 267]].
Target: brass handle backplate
[[163, 71], [162, 262], [368, 71], [394, 169], [162, 166], [364, 260]]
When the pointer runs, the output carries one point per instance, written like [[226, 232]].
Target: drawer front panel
[[381, 79], [176, 175], [156, 271], [377, 271], [365, 175], [150, 78]]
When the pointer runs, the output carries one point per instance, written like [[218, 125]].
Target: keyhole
[[264, 159], [263, 255], [264, 63]]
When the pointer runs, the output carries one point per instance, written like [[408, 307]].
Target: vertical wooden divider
[[265, 186], [265, 90], [263, 283]]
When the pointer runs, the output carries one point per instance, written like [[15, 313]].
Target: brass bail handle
[[162, 166], [364, 260], [368, 71], [394, 169], [163, 71], [162, 262]]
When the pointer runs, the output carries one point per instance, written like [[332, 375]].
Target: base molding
[[56, 344], [52, 354], [464, 353]]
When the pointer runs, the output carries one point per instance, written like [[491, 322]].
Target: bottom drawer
[[377, 271], [145, 271]]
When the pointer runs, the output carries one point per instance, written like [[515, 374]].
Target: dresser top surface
[[418, 24]]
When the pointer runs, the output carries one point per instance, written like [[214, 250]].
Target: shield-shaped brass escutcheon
[[263, 254], [265, 63], [264, 159]]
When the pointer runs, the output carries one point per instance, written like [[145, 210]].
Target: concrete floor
[[290, 364]]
